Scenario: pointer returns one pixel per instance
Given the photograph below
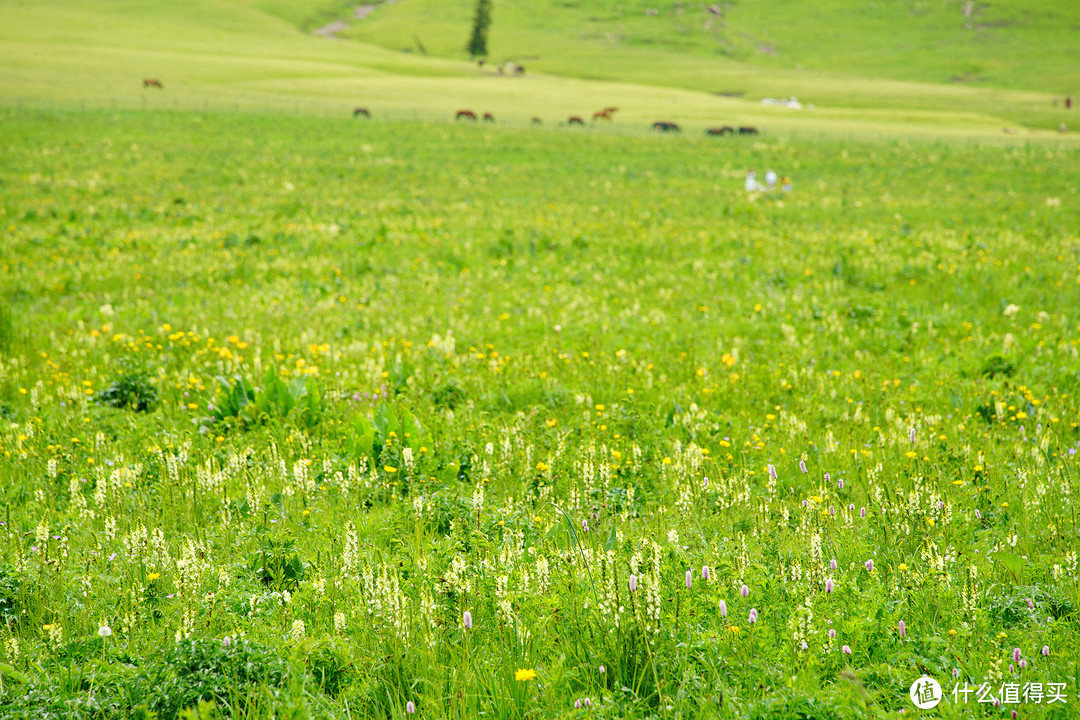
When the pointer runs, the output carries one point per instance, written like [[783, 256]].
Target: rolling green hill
[[1016, 44], [889, 69]]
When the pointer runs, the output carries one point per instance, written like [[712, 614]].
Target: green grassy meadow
[[311, 416], [285, 397]]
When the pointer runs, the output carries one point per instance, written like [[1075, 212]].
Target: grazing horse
[[537, 121], [519, 70], [575, 120], [361, 111], [465, 115], [488, 117], [609, 110], [152, 82], [666, 127], [748, 130], [726, 130]]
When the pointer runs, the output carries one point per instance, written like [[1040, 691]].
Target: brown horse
[[361, 111], [152, 82], [488, 117], [748, 130], [537, 121], [726, 130], [666, 127], [604, 114], [575, 120], [465, 115]]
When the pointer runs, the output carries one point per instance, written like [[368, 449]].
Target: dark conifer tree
[[478, 42]]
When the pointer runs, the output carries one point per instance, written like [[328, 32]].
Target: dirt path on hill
[[362, 11]]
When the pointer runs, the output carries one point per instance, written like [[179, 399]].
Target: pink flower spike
[[410, 707], [603, 669], [585, 524], [832, 564], [1023, 663], [1046, 651], [704, 572], [633, 583], [870, 565], [903, 629], [832, 632], [1016, 655], [846, 650], [744, 590], [802, 466], [586, 702], [723, 613], [689, 578], [862, 512], [1031, 603], [911, 435], [466, 620], [577, 704], [753, 616], [829, 585]]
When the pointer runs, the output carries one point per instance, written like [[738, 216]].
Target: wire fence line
[[155, 101]]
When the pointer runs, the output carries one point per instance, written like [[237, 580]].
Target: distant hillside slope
[[1017, 44], [958, 73]]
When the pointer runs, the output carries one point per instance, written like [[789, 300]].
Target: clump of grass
[[132, 388]]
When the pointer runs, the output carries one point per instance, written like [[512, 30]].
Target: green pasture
[[262, 56], [282, 398]]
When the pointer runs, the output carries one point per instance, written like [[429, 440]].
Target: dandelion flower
[[523, 675], [104, 631]]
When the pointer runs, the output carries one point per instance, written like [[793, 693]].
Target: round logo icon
[[925, 693]]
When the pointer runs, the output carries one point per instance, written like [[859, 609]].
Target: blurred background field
[[943, 67]]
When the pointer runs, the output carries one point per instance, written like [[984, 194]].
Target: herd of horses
[[660, 126]]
